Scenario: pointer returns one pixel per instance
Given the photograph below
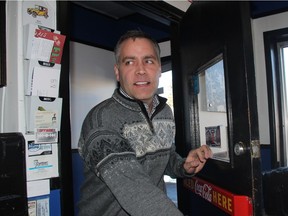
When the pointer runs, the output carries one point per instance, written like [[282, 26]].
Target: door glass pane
[[212, 109]]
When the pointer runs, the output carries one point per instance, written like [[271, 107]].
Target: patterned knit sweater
[[125, 156]]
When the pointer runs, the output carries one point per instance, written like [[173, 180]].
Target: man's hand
[[197, 158]]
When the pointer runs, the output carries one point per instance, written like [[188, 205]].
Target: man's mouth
[[141, 83]]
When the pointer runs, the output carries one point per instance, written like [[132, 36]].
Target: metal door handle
[[239, 148]]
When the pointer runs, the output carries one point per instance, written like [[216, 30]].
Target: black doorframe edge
[[65, 151]]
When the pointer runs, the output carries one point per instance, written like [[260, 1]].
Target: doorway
[[99, 24]]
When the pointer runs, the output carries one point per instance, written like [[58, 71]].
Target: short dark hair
[[133, 34]]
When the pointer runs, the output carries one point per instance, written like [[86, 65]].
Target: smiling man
[[127, 141], [138, 68]]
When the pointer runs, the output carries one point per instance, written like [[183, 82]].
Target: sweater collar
[[133, 104], [155, 102]]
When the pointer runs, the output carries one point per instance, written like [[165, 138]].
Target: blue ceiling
[[264, 8], [97, 29], [103, 31]]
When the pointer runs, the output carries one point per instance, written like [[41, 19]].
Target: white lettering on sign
[[203, 190]]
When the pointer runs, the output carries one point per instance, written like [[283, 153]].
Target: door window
[[212, 108]]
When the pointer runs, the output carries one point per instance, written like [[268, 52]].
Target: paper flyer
[[41, 161], [43, 113], [45, 82]]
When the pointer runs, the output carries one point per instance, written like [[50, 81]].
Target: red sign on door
[[235, 205]]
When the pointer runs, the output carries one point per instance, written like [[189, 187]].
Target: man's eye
[[128, 62], [149, 61]]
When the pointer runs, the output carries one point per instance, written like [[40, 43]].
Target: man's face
[[139, 69]]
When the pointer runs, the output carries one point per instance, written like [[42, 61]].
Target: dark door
[[213, 33]]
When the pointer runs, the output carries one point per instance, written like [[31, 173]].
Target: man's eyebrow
[[133, 57], [150, 56], [128, 57]]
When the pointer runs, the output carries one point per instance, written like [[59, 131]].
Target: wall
[[91, 79]]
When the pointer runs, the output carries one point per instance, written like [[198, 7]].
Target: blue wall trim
[[77, 164]]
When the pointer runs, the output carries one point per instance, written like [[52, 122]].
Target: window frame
[[273, 58]]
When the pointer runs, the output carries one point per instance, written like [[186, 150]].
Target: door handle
[[239, 148]]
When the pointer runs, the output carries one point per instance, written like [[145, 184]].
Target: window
[[276, 53]]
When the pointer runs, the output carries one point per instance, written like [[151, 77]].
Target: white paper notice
[[45, 82], [42, 49], [38, 188], [32, 211], [43, 207]]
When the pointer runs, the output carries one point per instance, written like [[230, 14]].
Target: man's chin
[[144, 99]]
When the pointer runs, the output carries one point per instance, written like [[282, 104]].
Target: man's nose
[[141, 69]]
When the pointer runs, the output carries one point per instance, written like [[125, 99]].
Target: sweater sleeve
[[111, 158], [175, 168]]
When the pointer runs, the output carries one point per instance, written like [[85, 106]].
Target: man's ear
[[116, 71]]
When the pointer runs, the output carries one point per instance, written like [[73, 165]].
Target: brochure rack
[[43, 49]]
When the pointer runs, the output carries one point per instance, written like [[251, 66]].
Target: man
[[127, 141]]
